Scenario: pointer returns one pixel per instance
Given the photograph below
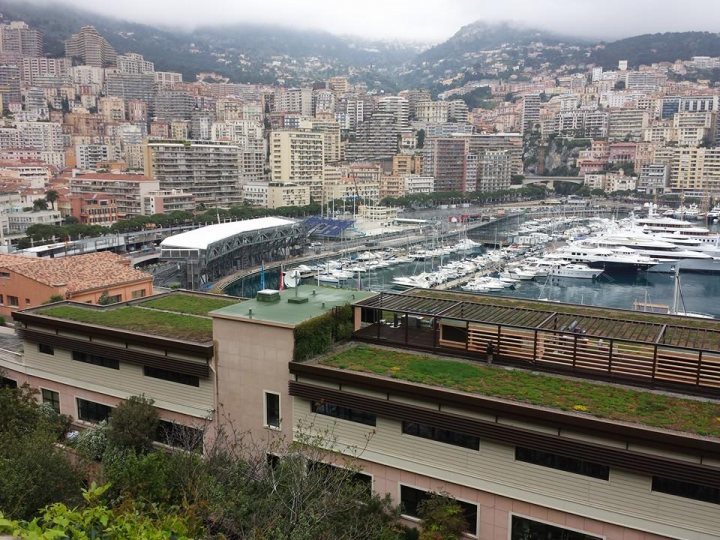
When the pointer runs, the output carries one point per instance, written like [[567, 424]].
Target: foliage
[[442, 518], [428, 200], [92, 442], [174, 325], [133, 424], [94, 520], [105, 299], [34, 472], [478, 98], [54, 298], [616, 403], [189, 303], [51, 196], [39, 204], [317, 335]]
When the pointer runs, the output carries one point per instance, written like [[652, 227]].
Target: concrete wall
[[252, 358]]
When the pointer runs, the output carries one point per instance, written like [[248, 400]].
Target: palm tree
[[51, 196]]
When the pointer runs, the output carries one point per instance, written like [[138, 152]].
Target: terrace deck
[[641, 349]]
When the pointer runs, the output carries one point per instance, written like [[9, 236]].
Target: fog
[[424, 20]]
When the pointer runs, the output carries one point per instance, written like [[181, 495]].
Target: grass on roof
[[596, 399], [147, 321], [189, 303]]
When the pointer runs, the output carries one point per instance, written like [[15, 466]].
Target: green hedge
[[317, 335]]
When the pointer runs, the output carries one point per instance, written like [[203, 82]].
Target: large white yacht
[[575, 270], [645, 245], [618, 260]]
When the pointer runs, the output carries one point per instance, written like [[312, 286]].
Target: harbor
[[620, 262]]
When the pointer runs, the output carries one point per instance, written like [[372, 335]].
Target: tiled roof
[[78, 273]]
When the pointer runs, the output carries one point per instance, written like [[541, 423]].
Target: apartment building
[[127, 190], [449, 161], [627, 124], [398, 107], [375, 139], [90, 47], [330, 130], [406, 164], [433, 112], [134, 63], [494, 170], [695, 169], [19, 221], [530, 112], [653, 178], [210, 171], [17, 38], [297, 156], [275, 194], [555, 465], [162, 202], [415, 184], [94, 209], [38, 68]]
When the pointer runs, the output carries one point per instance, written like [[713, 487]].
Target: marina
[[587, 261]]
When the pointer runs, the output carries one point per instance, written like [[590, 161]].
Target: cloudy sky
[[425, 20]]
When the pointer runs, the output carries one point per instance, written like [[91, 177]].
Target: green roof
[[607, 401], [320, 301], [177, 315]]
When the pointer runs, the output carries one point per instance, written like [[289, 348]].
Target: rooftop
[[601, 400], [204, 236], [178, 315], [79, 273], [284, 313]]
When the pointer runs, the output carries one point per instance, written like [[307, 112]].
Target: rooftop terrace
[[638, 348], [182, 316], [699, 417], [320, 300]]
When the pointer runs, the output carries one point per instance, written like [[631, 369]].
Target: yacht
[[575, 270], [645, 245], [617, 260]]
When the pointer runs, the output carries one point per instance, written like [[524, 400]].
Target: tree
[[39, 204], [620, 85], [105, 299], [51, 196], [54, 298], [34, 472], [420, 138], [134, 424], [442, 518]]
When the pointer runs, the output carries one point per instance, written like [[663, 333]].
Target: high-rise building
[[449, 161], [398, 107], [330, 130], [10, 84], [432, 112], [173, 105], [653, 178], [695, 169], [627, 124], [129, 86], [298, 156], [90, 48], [128, 190], [40, 67], [134, 63], [494, 170], [89, 156], [18, 38], [293, 100], [210, 171], [375, 139], [530, 112]]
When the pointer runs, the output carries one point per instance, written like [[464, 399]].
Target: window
[[27, 301], [4, 274], [410, 499], [46, 349], [2, 300], [172, 376], [7, 383], [95, 360], [686, 489], [272, 410], [179, 436], [441, 435], [364, 481], [89, 411], [139, 293], [528, 529], [13, 301], [51, 398], [343, 413], [562, 463]]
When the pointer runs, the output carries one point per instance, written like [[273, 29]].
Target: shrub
[[92, 442], [317, 335], [134, 424], [442, 518]]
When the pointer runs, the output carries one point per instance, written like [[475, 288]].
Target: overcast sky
[[426, 20]]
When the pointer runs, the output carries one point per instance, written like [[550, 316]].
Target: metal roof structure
[[203, 237], [482, 310]]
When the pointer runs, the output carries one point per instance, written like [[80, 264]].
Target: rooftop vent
[[268, 295]]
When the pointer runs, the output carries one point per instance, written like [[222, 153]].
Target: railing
[[643, 363]]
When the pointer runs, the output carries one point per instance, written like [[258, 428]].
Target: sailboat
[[678, 300]]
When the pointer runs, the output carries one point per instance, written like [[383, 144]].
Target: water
[[699, 292]]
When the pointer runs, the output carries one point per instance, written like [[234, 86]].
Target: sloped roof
[[78, 273]]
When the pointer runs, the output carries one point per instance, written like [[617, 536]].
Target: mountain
[[243, 52], [651, 48], [482, 36]]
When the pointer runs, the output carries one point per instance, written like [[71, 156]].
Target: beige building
[[90, 47], [275, 194], [128, 190], [297, 157], [627, 124], [695, 169]]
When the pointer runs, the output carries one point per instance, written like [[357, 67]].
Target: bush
[[317, 335], [133, 424], [442, 518], [92, 442]]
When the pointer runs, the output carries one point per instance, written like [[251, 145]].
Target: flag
[[281, 284], [262, 276]]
